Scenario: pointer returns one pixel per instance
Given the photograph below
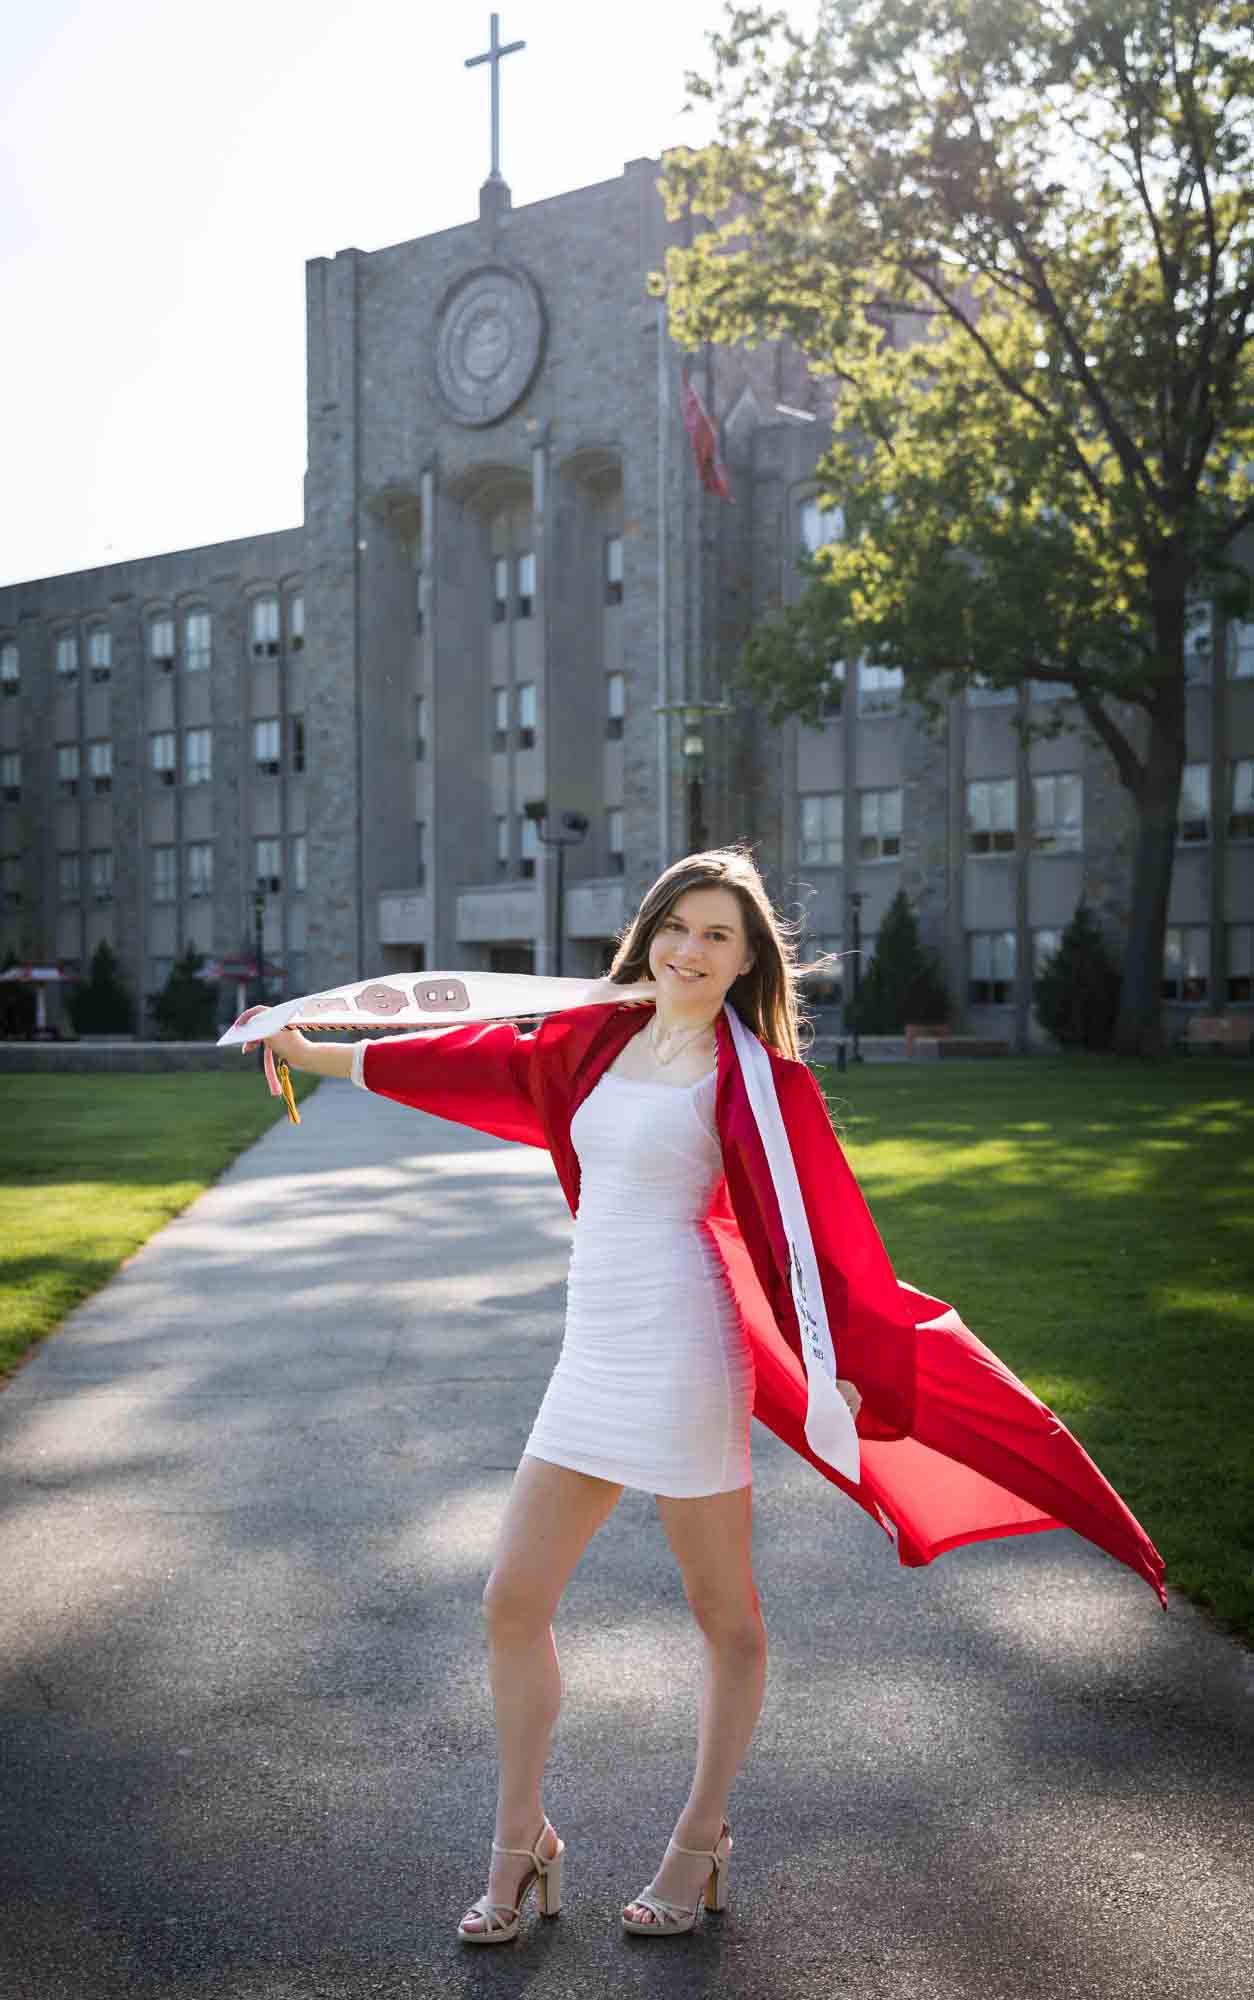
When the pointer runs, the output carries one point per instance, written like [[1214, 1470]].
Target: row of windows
[[164, 871], [992, 814], [161, 644], [514, 582], [163, 759], [528, 845]]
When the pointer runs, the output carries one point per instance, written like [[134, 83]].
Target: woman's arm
[[323, 1058]]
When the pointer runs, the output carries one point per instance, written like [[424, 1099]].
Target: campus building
[[509, 584]]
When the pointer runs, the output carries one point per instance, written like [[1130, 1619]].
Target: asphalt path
[[247, 1502]]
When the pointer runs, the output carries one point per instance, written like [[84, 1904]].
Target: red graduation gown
[[954, 1447]]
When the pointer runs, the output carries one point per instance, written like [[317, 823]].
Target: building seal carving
[[489, 336]]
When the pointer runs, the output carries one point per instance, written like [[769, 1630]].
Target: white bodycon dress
[[653, 1387]]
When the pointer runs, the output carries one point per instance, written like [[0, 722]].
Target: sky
[[166, 174]]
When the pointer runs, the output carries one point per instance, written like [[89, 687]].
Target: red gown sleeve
[[483, 1076]]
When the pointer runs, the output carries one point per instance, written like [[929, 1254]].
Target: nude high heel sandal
[[500, 1920], [672, 1918]]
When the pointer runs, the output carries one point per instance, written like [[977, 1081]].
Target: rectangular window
[[420, 851], [1241, 799], [500, 718], [197, 641], [1056, 813], [100, 869], [100, 654], [69, 877], [501, 824], [162, 754], [266, 746], [1240, 981], [161, 644], [614, 691], [296, 622], [528, 847], [981, 694], [10, 668], [990, 968], [197, 756], [821, 842], [264, 625], [11, 777], [991, 817], [614, 570], [1193, 825], [1241, 649], [100, 766], [266, 865], [297, 725], [879, 825], [67, 658], [1198, 639], [526, 584], [298, 878], [67, 770], [1052, 691], [1186, 972], [165, 874], [614, 840], [200, 869], [500, 590], [420, 727], [526, 714], [819, 523], [879, 689], [11, 881]]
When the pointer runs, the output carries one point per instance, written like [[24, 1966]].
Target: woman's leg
[[712, 1542], [550, 1517]]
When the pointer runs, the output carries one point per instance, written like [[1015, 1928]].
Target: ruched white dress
[[653, 1387]]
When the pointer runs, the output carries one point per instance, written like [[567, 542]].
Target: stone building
[[508, 584]]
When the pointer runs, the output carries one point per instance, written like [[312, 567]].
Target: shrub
[[1077, 994], [903, 981], [186, 1008], [100, 1004]]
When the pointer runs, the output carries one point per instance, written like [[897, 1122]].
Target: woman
[[680, 1281]]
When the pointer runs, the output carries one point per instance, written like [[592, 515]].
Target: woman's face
[[699, 950]]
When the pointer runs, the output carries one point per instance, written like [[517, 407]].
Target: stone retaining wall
[[91, 1058]]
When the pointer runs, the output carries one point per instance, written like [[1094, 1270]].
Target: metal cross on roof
[[494, 55]]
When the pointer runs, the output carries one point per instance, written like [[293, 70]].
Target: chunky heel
[[550, 1889], [501, 1920], [716, 1887]]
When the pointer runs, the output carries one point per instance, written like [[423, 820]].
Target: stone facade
[[507, 581]]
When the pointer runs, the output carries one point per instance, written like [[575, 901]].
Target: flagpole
[[663, 589]]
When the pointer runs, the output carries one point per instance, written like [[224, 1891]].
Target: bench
[[915, 1032]]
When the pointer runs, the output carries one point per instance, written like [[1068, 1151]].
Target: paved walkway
[[247, 1498]]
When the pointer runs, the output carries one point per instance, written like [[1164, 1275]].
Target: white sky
[[167, 171]]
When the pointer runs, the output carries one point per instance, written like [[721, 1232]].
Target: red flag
[[710, 467]]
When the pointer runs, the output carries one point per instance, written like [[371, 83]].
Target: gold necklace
[[688, 1034]]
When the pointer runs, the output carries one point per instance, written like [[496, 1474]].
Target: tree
[[17, 1006], [903, 982], [186, 1008], [1077, 994], [100, 1004], [1054, 206]]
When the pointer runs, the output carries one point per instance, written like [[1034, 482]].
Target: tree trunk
[[1139, 1028]]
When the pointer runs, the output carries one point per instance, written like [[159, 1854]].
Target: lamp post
[[692, 716], [855, 907], [576, 827], [259, 921]]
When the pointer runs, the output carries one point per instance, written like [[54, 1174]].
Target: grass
[[92, 1165], [1093, 1222]]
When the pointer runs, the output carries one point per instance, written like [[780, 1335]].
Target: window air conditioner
[[274, 884], [270, 766], [167, 777]]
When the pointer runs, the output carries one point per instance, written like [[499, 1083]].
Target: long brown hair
[[766, 997]]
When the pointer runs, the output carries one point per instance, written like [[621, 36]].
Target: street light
[[692, 716], [857, 945], [576, 826]]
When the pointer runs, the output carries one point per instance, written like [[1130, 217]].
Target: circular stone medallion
[[489, 332]]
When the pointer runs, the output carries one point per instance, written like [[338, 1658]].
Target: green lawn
[[90, 1166], [1094, 1224]]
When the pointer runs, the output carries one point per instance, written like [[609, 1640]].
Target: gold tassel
[[289, 1095]]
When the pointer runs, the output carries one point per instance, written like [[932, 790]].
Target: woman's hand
[[289, 1046], [851, 1394]]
